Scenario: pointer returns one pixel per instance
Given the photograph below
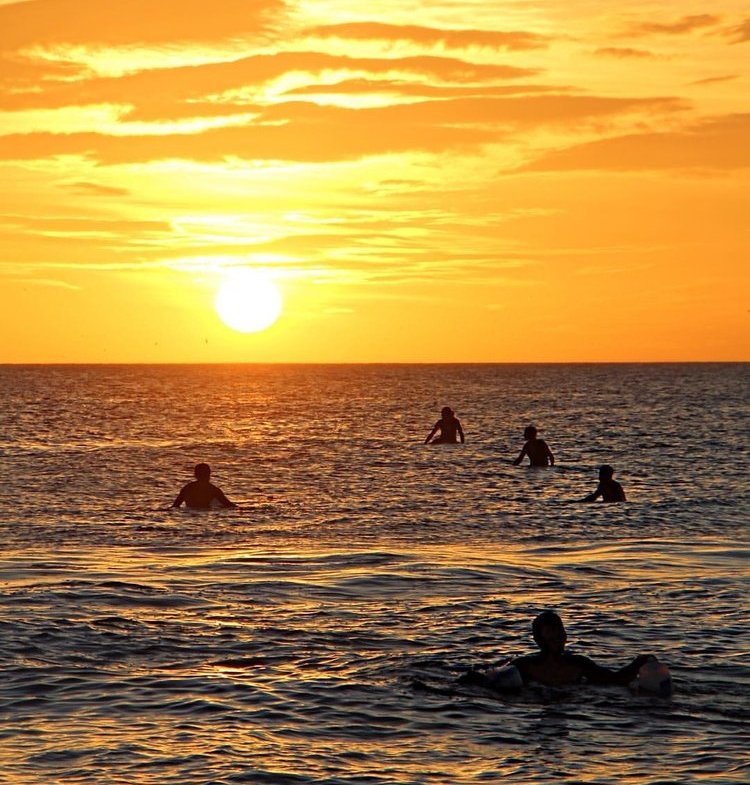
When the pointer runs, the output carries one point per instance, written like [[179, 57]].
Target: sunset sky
[[425, 181]]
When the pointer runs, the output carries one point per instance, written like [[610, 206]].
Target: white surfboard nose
[[654, 676]]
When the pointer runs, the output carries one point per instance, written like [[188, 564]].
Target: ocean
[[316, 634]]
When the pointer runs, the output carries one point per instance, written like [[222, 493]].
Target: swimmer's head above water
[[202, 471], [549, 632]]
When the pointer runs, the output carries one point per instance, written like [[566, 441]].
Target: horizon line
[[373, 363]]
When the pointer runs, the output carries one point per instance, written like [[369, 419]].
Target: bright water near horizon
[[316, 634]]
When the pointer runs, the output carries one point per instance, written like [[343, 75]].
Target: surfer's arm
[[222, 499], [180, 498], [592, 497], [598, 674], [432, 432], [460, 431], [630, 671], [520, 457]]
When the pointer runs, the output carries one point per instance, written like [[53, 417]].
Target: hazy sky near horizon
[[442, 181]]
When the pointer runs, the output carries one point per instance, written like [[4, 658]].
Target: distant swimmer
[[199, 493], [552, 666], [538, 452], [449, 427], [610, 490]]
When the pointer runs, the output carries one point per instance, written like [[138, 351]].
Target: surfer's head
[[606, 472], [202, 471], [549, 632], [529, 432], [446, 411]]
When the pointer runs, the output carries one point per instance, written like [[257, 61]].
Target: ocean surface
[[315, 635]]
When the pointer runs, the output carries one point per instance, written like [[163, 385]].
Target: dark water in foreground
[[315, 635]]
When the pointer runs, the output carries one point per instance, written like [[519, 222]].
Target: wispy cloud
[[715, 79], [77, 226], [95, 189], [50, 282], [380, 87], [623, 52], [719, 144], [740, 33], [431, 36], [682, 26]]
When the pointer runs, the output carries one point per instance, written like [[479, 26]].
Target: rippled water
[[315, 635]]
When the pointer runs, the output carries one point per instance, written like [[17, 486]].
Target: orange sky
[[434, 181]]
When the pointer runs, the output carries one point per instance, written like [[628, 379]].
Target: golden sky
[[432, 181]]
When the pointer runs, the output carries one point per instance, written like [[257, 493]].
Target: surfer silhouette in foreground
[[610, 490], [552, 666], [449, 427], [537, 450], [199, 493]]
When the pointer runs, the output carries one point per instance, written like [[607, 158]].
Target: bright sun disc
[[248, 301]]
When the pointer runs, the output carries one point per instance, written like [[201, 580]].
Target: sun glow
[[248, 300]]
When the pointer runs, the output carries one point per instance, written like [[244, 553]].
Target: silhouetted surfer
[[199, 493], [449, 427], [552, 666], [610, 490], [536, 449]]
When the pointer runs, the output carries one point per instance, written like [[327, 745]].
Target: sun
[[248, 300]]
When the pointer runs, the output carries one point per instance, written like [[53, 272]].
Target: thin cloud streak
[[683, 26], [718, 144], [739, 34], [624, 52], [430, 36]]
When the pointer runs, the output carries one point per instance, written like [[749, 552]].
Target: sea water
[[316, 634]]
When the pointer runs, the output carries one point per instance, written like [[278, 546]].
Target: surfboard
[[654, 677]]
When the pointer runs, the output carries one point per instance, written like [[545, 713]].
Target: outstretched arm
[[180, 498], [432, 432], [598, 674], [460, 431], [592, 497], [520, 457]]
